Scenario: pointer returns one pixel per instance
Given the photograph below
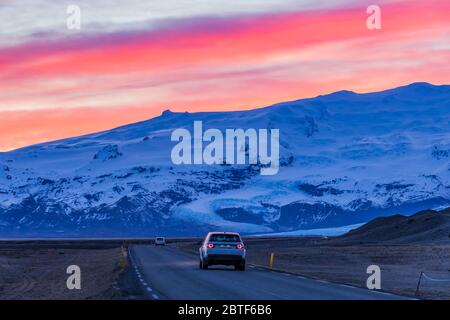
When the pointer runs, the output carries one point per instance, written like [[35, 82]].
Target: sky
[[132, 59]]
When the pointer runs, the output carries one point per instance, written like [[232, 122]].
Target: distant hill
[[423, 227]]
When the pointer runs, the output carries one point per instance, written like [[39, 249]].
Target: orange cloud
[[22, 127]]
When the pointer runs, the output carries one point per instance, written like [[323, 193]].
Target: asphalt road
[[168, 273]]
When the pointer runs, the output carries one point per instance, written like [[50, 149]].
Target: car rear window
[[225, 238]]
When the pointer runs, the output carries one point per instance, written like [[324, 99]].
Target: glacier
[[345, 158]]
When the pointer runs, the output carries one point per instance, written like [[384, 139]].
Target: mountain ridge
[[166, 112]]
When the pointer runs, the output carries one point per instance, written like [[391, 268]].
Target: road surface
[[169, 273]]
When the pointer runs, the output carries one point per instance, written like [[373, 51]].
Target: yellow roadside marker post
[[122, 257], [271, 260]]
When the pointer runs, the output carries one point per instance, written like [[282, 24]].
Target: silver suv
[[224, 248]]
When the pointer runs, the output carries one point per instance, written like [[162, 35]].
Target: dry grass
[[41, 273]]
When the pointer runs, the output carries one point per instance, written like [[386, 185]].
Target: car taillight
[[240, 246], [210, 245]]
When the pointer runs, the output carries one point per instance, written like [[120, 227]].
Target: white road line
[[142, 280]]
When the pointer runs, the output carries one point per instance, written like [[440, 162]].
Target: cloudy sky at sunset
[[132, 59]]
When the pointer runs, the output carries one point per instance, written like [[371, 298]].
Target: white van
[[160, 241]]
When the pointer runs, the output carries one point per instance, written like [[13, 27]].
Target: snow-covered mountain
[[345, 157]]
